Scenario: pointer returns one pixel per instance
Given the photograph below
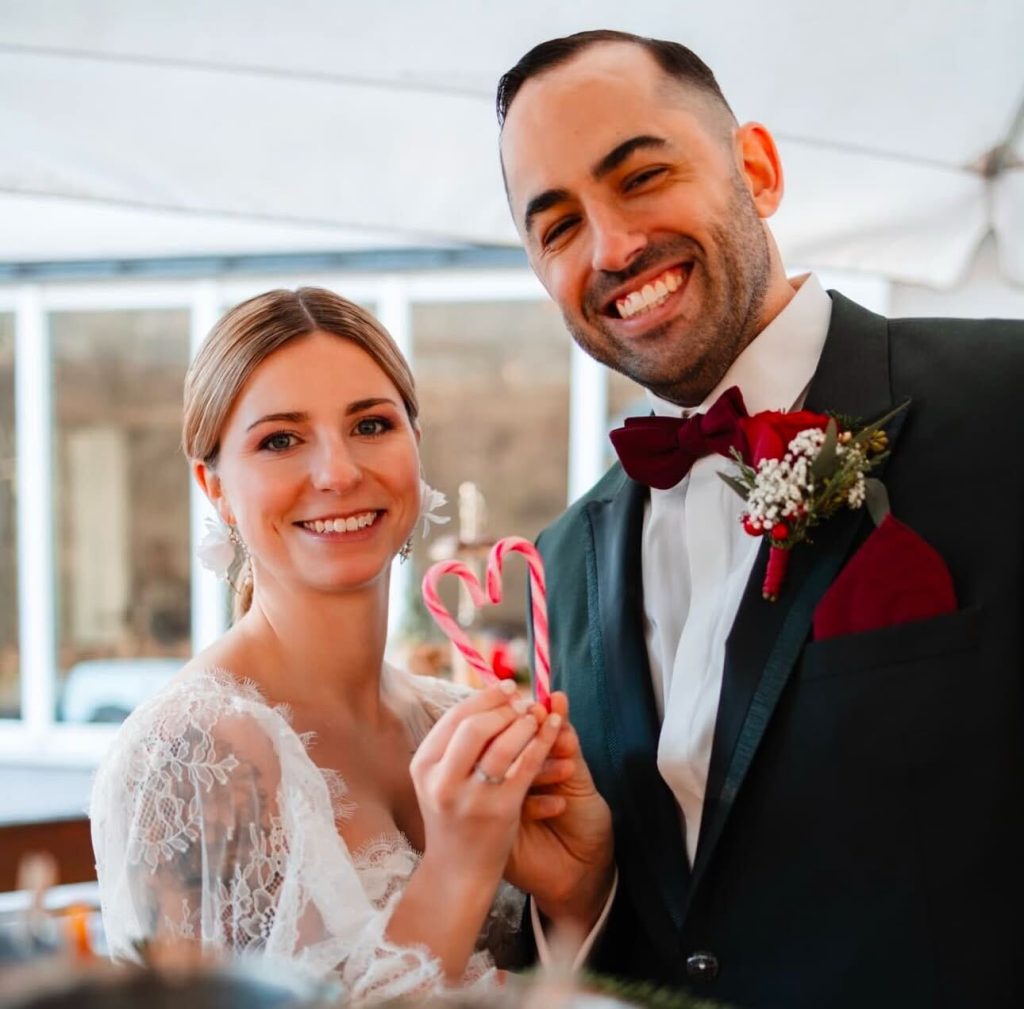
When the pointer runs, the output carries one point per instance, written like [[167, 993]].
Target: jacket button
[[702, 966]]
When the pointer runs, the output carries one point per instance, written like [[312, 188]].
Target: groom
[[818, 801]]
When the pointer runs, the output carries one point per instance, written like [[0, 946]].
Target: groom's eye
[[557, 230], [644, 175]]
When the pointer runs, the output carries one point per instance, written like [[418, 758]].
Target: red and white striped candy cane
[[448, 624], [493, 593], [538, 603]]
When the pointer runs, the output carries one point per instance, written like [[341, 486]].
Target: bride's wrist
[[461, 879]]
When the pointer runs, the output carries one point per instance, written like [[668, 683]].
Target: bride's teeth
[[339, 525]]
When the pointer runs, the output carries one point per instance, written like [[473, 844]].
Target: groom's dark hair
[[676, 60]]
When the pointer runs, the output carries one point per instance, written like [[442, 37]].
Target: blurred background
[[160, 161]]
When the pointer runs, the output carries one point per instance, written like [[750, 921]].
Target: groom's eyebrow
[[617, 155], [545, 201], [608, 163]]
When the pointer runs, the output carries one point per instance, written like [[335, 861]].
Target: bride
[[289, 792]]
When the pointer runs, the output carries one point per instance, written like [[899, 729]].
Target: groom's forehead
[[609, 77], [566, 118]]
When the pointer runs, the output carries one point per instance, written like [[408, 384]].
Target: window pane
[[625, 399], [122, 507], [493, 380], [10, 703]]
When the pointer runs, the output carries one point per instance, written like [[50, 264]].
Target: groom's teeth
[[341, 525], [650, 295]]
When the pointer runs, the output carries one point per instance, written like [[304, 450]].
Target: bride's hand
[[471, 774], [564, 852]]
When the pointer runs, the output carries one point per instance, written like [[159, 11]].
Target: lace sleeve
[[210, 822]]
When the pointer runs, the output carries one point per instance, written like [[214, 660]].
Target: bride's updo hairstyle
[[246, 336]]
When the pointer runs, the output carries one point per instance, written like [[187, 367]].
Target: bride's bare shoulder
[[228, 653]]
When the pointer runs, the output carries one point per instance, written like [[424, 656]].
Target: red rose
[[767, 435]]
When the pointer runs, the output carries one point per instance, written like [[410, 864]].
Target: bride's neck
[[315, 649]]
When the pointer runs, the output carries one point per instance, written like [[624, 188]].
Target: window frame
[[37, 737]]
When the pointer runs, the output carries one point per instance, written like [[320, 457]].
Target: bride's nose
[[334, 468]]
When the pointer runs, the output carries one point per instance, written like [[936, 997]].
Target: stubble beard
[[682, 360]]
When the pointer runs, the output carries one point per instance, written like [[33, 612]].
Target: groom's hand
[[564, 853]]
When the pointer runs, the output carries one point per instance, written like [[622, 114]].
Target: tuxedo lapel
[[766, 638], [648, 818]]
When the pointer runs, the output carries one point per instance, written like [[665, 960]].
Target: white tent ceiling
[[323, 124]]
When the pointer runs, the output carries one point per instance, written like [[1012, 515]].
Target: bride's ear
[[210, 484]]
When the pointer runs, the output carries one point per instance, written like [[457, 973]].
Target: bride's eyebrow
[[291, 417], [368, 404], [300, 417]]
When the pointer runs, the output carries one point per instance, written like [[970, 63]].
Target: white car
[[108, 690]]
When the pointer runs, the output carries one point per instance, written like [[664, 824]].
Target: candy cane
[[444, 620], [492, 595], [538, 601]]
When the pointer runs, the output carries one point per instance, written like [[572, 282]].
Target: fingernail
[[555, 721], [520, 705], [509, 686]]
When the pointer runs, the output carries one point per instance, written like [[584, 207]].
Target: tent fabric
[[331, 119]]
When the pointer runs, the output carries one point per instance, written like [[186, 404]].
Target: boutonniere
[[800, 469]]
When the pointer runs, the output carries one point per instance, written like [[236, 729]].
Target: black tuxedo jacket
[[863, 832]]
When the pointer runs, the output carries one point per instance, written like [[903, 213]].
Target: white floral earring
[[221, 548], [430, 501]]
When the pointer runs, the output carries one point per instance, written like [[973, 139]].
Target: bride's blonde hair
[[248, 334]]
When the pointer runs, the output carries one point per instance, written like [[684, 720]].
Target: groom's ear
[[760, 166], [210, 484]]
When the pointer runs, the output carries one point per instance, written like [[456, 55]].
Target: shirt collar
[[775, 369]]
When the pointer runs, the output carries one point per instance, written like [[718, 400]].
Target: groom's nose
[[617, 238]]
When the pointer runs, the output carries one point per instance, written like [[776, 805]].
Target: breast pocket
[[886, 647]]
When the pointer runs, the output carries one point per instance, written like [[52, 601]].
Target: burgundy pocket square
[[895, 577]]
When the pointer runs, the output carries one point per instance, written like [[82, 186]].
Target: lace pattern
[[211, 822]]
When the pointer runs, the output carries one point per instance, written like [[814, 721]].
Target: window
[[625, 399], [10, 703], [121, 501], [493, 381]]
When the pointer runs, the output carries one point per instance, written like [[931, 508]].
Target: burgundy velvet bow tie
[[659, 451]]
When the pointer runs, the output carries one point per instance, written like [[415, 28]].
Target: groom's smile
[[635, 199]]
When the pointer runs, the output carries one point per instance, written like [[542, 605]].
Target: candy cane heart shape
[[493, 595]]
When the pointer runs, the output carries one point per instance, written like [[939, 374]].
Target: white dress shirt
[[697, 559]]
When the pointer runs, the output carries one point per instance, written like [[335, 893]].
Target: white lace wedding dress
[[210, 821]]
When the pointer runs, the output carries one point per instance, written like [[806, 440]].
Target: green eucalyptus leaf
[[825, 461], [864, 435], [737, 485], [876, 497]]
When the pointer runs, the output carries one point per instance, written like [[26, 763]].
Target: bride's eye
[[280, 441], [371, 426]]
